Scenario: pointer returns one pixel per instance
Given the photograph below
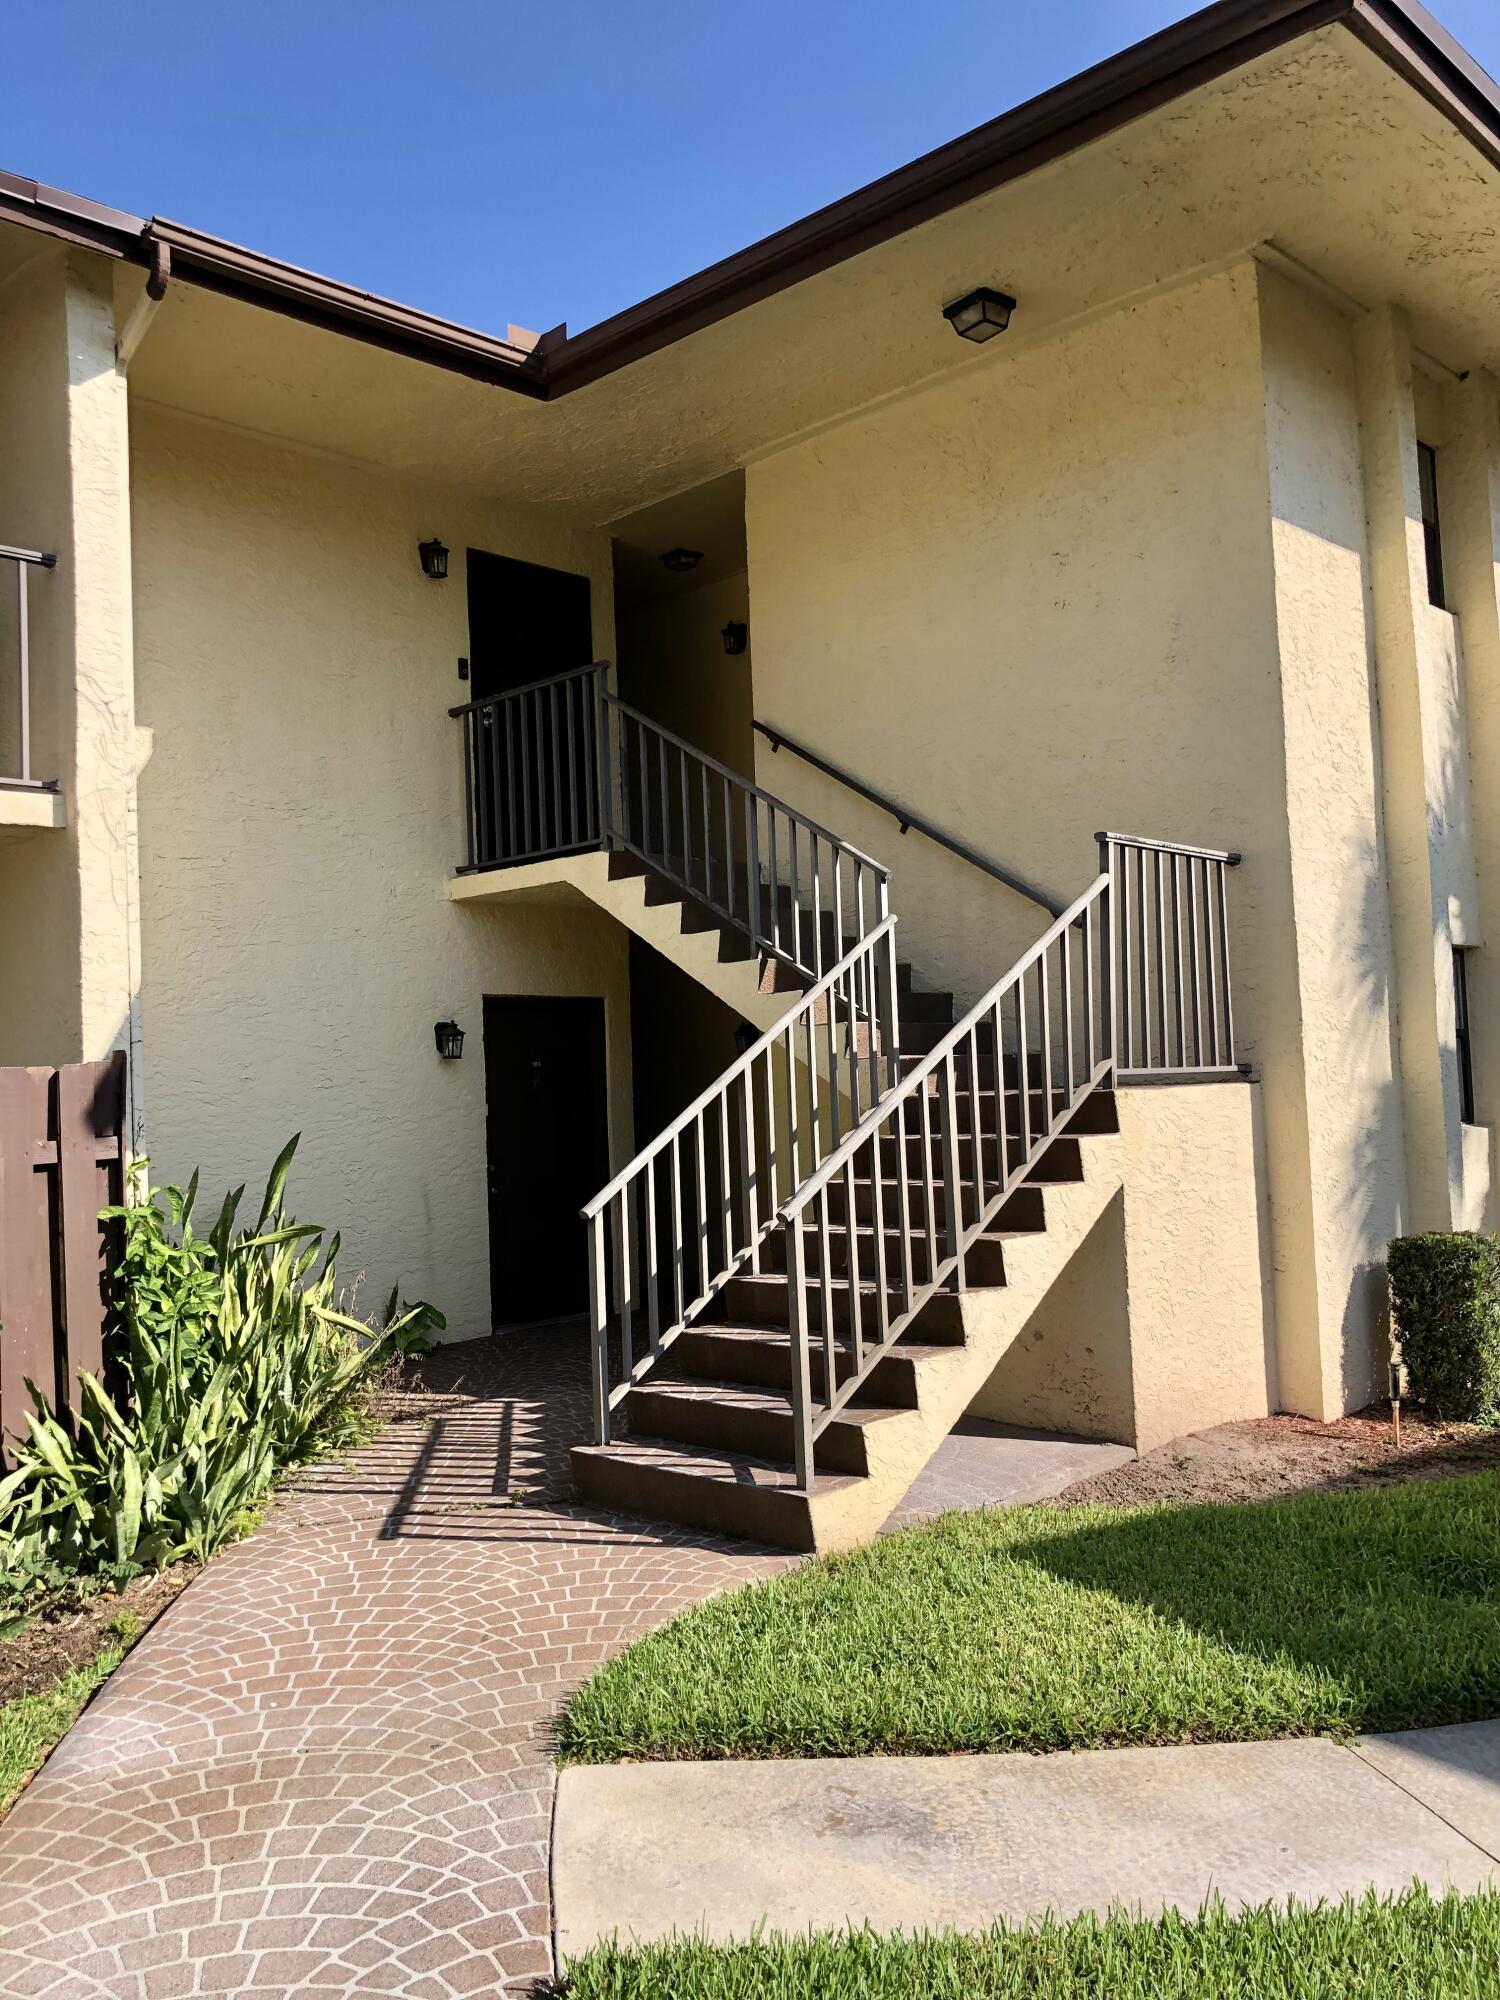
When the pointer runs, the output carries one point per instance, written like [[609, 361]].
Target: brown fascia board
[[245, 274], [1207, 45]]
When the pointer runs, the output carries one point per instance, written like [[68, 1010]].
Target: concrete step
[[764, 1301], [727, 1493], [984, 1264], [742, 1418], [761, 1357]]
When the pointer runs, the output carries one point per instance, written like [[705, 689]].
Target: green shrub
[[238, 1360], [1445, 1302]]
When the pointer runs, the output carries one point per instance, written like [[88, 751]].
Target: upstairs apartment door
[[546, 1130], [533, 769]]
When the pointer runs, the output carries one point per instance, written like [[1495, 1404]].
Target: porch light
[[681, 560], [449, 1037], [736, 636], [434, 559], [981, 314]]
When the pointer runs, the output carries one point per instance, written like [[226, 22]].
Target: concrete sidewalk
[[643, 1850]]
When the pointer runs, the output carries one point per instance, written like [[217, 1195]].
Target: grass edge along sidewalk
[[1047, 1628], [1407, 1948]]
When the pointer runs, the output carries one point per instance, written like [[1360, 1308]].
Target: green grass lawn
[[32, 1724], [1415, 1948], [1047, 1628]]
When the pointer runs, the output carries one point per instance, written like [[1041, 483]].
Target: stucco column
[[69, 955], [1470, 504], [1414, 775]]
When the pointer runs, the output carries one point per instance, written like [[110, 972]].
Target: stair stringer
[[758, 988], [844, 1514]]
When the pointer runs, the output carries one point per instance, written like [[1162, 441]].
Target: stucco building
[[1201, 548]]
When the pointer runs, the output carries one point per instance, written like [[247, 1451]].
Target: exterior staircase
[[799, 1286]]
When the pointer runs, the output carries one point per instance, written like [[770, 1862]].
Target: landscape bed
[[1406, 1949], [1051, 1628]]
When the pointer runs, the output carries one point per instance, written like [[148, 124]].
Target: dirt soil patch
[[1277, 1455], [70, 1633]]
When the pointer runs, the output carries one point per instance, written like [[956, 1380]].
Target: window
[[1431, 527], [1461, 1037]]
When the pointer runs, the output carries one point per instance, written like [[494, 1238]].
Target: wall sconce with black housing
[[736, 636], [434, 559], [981, 314], [449, 1037]]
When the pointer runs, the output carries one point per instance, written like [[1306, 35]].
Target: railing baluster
[[1220, 869], [851, 1231], [1195, 963], [599, 1331], [751, 1167], [952, 1187], [653, 1273], [679, 1275], [1210, 957], [802, 1429], [825, 1301], [1044, 1006]]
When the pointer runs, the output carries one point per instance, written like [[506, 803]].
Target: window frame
[[1432, 524], [1463, 1041]]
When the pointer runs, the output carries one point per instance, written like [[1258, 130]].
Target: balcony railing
[[562, 766], [23, 561]]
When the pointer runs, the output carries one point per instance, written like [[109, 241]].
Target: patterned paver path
[[327, 1770]]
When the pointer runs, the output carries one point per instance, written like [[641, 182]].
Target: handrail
[[1229, 859], [755, 861], [527, 687], [738, 1068], [772, 1114], [908, 820], [1073, 1026], [932, 1060], [24, 560], [749, 785]]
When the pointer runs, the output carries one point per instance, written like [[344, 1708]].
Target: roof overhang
[[1099, 101]]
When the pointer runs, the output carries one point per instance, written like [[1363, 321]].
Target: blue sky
[[495, 162]]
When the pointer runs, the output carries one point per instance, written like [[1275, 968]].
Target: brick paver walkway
[[326, 1771]]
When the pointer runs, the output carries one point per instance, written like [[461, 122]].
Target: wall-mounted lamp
[[449, 1037], [434, 559], [745, 1038], [736, 636], [681, 560], [981, 314]]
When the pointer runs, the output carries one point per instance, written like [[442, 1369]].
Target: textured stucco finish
[[67, 903], [301, 813], [1162, 1322]]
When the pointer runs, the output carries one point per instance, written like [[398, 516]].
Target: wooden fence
[[62, 1159]]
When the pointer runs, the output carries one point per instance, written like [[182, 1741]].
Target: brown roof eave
[[237, 273], [1207, 45]]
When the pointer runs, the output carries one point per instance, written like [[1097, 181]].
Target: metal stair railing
[[1049, 1020], [694, 1206], [563, 765]]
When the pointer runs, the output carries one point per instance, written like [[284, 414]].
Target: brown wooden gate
[[62, 1159]]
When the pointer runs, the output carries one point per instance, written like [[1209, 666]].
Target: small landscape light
[[680, 561], [736, 636], [434, 559], [449, 1037], [981, 314]]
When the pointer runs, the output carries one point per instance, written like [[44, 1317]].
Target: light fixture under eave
[[434, 559], [681, 560], [981, 314]]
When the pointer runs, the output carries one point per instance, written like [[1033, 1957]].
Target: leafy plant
[[239, 1360], [1445, 1301]]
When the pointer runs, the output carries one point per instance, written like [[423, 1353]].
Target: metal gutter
[[1207, 45]]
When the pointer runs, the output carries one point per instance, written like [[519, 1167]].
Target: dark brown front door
[[526, 623], [534, 777], [548, 1151]]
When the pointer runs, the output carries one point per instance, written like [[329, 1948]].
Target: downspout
[[144, 310], [134, 331]]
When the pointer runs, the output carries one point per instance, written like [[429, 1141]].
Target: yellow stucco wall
[[67, 913], [1163, 1320], [301, 812]]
